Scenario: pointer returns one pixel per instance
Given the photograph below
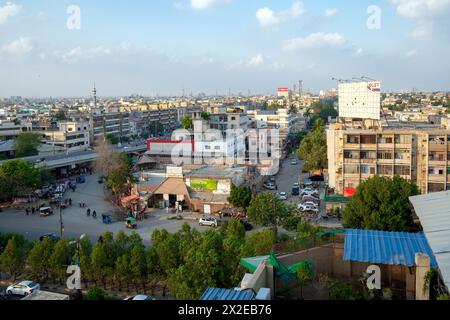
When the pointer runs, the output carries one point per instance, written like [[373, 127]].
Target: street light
[[77, 242]]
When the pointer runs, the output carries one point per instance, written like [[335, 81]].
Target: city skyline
[[216, 46]]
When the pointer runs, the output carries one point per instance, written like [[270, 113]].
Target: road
[[76, 222]]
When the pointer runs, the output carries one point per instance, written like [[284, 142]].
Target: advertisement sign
[[204, 184]]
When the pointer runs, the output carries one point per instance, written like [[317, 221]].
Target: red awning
[[130, 199], [349, 192]]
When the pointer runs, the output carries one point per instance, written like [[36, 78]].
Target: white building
[[72, 136]]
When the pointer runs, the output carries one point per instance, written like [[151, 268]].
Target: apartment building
[[421, 155], [70, 135], [10, 130], [103, 123], [280, 118]]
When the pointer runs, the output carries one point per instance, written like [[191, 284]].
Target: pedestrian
[[33, 210], [70, 201], [88, 212], [27, 211], [94, 214]]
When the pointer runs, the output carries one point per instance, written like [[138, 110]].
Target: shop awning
[[130, 199]]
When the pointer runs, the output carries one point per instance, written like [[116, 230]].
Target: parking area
[[76, 222]]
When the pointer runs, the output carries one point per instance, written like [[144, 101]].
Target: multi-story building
[[421, 155], [104, 123], [72, 136], [10, 130], [280, 118]]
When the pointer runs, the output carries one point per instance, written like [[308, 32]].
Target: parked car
[[309, 192], [283, 196], [311, 203], [247, 225], [142, 297], [270, 186], [294, 162], [23, 288], [208, 221], [308, 208]]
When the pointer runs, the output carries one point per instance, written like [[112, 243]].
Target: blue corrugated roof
[[214, 294], [394, 248]]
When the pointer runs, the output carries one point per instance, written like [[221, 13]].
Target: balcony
[[368, 161], [384, 146], [406, 146], [351, 146], [351, 161], [438, 178], [369, 146], [437, 147], [386, 161]]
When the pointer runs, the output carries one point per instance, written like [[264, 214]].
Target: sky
[[61, 48]]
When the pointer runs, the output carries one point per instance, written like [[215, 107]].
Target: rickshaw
[[45, 211], [131, 223], [106, 218]]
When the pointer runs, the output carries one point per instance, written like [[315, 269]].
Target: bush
[[96, 294]]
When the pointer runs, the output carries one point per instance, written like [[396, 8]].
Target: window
[[352, 139], [367, 169]]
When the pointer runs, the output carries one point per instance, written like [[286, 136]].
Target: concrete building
[[103, 123], [70, 135], [280, 118], [421, 155], [10, 130]]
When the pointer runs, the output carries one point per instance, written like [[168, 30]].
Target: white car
[[208, 221], [140, 297], [294, 162], [309, 192], [308, 208], [23, 288], [270, 186], [310, 203], [283, 196]]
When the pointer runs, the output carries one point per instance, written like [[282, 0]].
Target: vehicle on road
[[131, 223], [270, 186], [311, 203], [309, 192], [140, 297], [283, 196], [45, 211], [23, 288], [208, 222], [295, 190], [308, 208], [311, 198], [294, 162]]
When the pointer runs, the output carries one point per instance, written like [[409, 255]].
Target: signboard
[[203, 184], [283, 90], [360, 100]]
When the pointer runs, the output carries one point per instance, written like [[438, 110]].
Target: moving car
[[283, 196], [23, 288], [294, 162], [295, 190], [208, 222], [45, 211]]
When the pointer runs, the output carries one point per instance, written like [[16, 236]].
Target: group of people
[[94, 213]]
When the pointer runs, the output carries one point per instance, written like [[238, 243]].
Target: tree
[[205, 116], [18, 177], [266, 210], [122, 269], [96, 294], [27, 144], [12, 259], [60, 115], [120, 178], [108, 159], [186, 123], [313, 148], [138, 265], [112, 138], [240, 197], [304, 275], [58, 260], [382, 203], [100, 263], [39, 259], [293, 110]]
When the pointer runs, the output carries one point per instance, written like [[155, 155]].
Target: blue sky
[[165, 46]]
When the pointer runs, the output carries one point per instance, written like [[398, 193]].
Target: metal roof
[[433, 211], [394, 248], [214, 294]]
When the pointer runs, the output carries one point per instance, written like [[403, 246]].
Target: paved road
[[76, 222]]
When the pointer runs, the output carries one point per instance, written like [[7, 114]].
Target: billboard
[[203, 184], [360, 100]]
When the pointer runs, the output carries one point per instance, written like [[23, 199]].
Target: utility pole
[[61, 224]]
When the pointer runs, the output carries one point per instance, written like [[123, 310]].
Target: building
[[419, 154], [279, 118], [284, 93], [103, 123], [10, 130], [70, 135]]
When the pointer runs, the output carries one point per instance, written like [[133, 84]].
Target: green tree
[[18, 177], [293, 110], [12, 259], [60, 115], [112, 138], [186, 123], [27, 144], [39, 259], [138, 265], [58, 260], [382, 203], [100, 263], [304, 276], [96, 294], [205, 115], [240, 197], [87, 273], [259, 243], [313, 148], [121, 177], [267, 210], [122, 270]]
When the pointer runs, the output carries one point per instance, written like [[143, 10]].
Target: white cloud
[[358, 52], [314, 40], [331, 12], [76, 54], [269, 18], [17, 47], [203, 4], [256, 60], [9, 10], [421, 8]]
